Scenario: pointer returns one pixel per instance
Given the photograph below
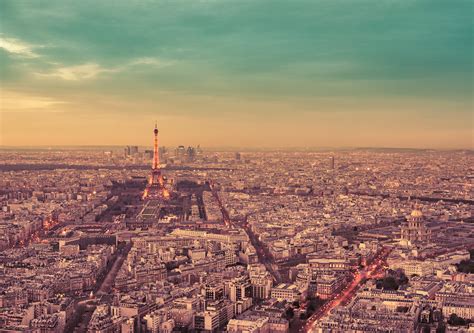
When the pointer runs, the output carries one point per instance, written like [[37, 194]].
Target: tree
[[426, 329], [388, 283], [289, 314], [403, 279], [441, 328], [455, 320], [466, 266]]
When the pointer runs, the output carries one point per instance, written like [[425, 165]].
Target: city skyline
[[236, 166], [238, 74]]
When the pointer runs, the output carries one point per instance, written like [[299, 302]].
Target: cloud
[[11, 101], [78, 72], [17, 47], [91, 70], [150, 61]]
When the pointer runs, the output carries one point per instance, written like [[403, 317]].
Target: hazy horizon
[[237, 73], [237, 148]]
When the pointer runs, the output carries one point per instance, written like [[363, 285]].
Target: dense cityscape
[[236, 166], [185, 239]]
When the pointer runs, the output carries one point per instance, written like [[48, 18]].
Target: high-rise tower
[[156, 186], [156, 178], [156, 158]]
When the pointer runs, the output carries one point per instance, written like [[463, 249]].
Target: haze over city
[[238, 73]]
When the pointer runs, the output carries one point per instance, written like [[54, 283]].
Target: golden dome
[[416, 213]]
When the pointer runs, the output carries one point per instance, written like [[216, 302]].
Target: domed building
[[415, 231]]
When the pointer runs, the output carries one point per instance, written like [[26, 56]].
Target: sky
[[237, 73]]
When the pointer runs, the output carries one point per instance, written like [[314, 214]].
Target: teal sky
[[395, 73]]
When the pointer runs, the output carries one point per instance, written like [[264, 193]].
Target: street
[[345, 295]]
